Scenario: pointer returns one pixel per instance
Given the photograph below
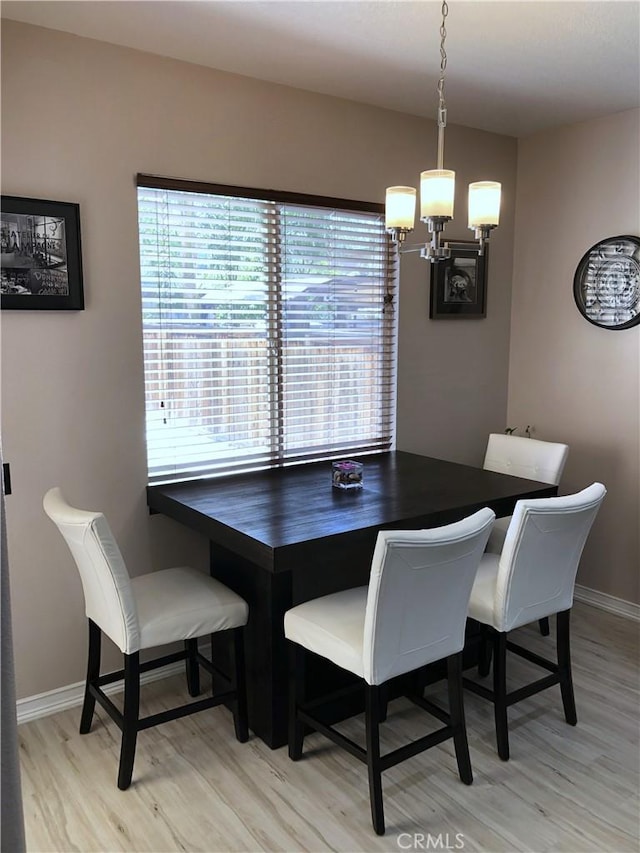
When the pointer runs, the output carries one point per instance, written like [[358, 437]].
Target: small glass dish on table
[[347, 474]]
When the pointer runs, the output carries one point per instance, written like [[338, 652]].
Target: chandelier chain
[[442, 106], [443, 52]]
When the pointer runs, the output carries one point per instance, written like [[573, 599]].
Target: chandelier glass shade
[[437, 190]]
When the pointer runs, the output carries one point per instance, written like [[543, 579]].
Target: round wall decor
[[606, 285]]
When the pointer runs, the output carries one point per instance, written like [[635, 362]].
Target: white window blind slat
[[268, 332]]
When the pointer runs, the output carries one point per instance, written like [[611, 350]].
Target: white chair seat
[[483, 592], [498, 535], [331, 626], [184, 603]]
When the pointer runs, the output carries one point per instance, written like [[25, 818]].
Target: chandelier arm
[[408, 248]]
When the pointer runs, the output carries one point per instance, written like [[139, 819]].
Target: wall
[[573, 381], [79, 119]]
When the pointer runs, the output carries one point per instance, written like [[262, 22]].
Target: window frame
[[390, 299]]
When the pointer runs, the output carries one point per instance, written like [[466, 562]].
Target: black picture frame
[[459, 284], [40, 255], [606, 284]]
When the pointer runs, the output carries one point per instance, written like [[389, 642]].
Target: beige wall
[[574, 381], [79, 120]]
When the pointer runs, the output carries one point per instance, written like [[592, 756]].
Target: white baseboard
[[43, 704], [610, 603]]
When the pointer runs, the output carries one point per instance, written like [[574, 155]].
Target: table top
[[262, 515]]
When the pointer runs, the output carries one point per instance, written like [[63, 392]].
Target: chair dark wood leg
[[213, 657], [544, 626], [384, 701], [130, 719], [484, 655], [93, 673], [564, 667], [456, 713], [500, 693], [193, 669], [296, 699], [372, 719], [240, 719]]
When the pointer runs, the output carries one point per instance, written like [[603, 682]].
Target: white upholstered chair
[[413, 612], [154, 609], [533, 577], [530, 459]]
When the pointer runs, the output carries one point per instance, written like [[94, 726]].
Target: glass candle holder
[[347, 474]]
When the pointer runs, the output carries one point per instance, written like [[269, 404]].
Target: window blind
[[269, 329]]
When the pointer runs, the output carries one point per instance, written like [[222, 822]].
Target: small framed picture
[[40, 255], [459, 284]]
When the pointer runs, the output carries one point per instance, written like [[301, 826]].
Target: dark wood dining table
[[282, 536]]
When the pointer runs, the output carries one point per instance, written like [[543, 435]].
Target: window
[[268, 325]]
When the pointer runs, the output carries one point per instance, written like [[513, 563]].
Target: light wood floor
[[196, 789]]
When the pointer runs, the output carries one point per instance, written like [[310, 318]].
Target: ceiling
[[514, 66]]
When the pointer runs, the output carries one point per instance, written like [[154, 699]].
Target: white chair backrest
[[108, 597], [539, 560], [528, 458], [418, 595]]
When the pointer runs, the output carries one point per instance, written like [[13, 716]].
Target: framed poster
[[40, 261], [606, 285], [459, 284]]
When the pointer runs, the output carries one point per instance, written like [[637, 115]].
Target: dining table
[[284, 535]]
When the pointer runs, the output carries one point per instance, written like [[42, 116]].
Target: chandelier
[[437, 190]]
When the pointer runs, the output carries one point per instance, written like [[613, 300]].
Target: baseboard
[[610, 603], [44, 704]]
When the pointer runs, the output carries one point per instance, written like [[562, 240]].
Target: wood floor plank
[[567, 789]]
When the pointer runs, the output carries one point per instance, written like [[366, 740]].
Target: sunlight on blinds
[[269, 332]]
